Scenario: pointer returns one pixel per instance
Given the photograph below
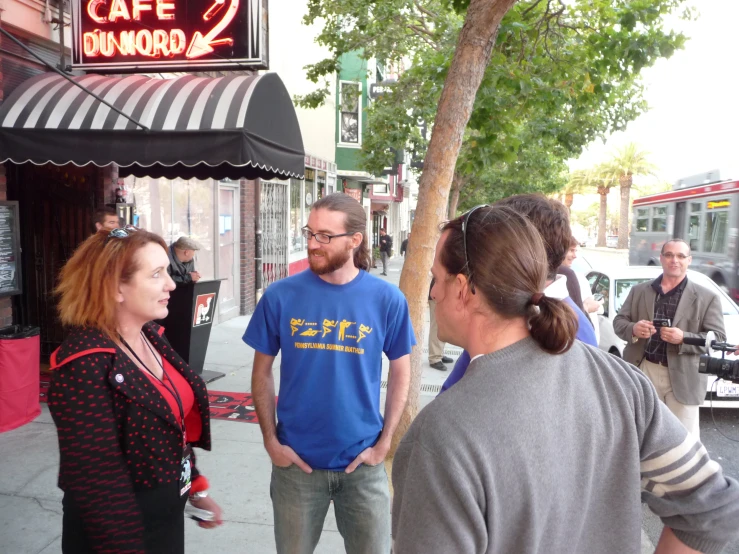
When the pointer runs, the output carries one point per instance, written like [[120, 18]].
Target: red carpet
[[233, 406]]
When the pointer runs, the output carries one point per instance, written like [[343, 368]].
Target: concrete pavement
[[238, 467]]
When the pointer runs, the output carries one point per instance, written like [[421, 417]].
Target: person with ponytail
[[551, 219], [547, 445]]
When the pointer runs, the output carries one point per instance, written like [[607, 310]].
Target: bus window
[[642, 220], [659, 219], [714, 237], [694, 226]]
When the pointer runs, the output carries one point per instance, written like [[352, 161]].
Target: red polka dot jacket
[[117, 433]]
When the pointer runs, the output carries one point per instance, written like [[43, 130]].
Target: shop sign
[[354, 193], [714, 204], [205, 308], [168, 35]]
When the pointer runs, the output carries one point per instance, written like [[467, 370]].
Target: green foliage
[[561, 75]]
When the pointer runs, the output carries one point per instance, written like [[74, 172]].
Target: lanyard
[[173, 390]]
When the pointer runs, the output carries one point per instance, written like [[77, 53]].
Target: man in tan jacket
[[692, 311]]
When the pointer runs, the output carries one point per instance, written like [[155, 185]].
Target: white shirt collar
[[558, 288]]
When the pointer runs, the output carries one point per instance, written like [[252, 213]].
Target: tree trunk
[[474, 47], [602, 216], [457, 183], [623, 216]]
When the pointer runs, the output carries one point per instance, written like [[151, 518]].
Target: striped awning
[[225, 127]]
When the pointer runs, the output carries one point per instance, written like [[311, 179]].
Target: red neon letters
[[152, 43]]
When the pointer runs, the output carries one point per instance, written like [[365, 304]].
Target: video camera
[[720, 367]]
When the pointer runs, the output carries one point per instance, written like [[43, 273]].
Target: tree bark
[[569, 199], [472, 55], [623, 216], [602, 216], [457, 183]]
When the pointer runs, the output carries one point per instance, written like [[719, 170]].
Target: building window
[[659, 219], [296, 215], [350, 96], [642, 220]]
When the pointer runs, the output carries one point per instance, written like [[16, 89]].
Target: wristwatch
[[199, 495]]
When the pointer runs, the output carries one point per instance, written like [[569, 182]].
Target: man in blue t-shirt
[[553, 223], [331, 324]]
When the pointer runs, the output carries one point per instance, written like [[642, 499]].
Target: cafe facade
[[179, 150]]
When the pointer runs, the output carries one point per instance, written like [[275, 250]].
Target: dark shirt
[[386, 243], [404, 247], [665, 306]]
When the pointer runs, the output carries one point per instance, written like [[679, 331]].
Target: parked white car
[[614, 285]]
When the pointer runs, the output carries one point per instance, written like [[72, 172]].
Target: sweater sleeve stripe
[[662, 461], [691, 472]]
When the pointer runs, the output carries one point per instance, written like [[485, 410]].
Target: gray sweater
[[535, 453]]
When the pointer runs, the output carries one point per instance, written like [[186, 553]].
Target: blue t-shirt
[[585, 333], [332, 338]]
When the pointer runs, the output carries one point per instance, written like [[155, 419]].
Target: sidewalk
[[238, 467]]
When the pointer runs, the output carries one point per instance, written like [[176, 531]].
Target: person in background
[[590, 304], [404, 245], [106, 219], [386, 248], [182, 261], [127, 408], [550, 218], [492, 467], [692, 311], [436, 347]]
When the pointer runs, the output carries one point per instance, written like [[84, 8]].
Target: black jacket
[[386, 243], [117, 433]]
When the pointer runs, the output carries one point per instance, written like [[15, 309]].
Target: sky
[[692, 125]]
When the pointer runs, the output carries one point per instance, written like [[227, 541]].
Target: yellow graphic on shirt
[[328, 325], [343, 327], [306, 328], [363, 332], [294, 324]]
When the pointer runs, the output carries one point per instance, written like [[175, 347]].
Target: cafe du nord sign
[[122, 36]]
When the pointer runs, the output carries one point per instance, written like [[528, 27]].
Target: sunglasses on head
[[121, 232], [465, 225]]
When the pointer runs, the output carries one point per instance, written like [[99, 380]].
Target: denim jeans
[[361, 503]]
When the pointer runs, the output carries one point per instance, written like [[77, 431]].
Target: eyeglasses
[[465, 222], [322, 238], [670, 255], [121, 232]]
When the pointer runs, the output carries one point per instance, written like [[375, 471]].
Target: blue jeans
[[361, 503]]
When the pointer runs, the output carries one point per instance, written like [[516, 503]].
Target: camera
[[720, 367], [665, 322]]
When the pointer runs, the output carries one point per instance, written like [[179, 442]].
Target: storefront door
[[227, 264]]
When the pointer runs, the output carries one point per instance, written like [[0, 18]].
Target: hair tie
[[536, 298]]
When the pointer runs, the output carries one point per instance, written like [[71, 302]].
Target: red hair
[[89, 281]]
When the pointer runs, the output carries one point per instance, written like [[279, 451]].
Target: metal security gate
[[274, 215]]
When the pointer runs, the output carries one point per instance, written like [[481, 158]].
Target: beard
[[327, 263]]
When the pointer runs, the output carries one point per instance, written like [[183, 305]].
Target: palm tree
[[602, 177], [624, 164], [578, 183]]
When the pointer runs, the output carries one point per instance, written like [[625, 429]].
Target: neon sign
[[168, 35]]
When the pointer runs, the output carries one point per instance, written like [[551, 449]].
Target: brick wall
[[248, 228]]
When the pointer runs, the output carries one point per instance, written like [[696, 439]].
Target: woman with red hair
[[127, 408]]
